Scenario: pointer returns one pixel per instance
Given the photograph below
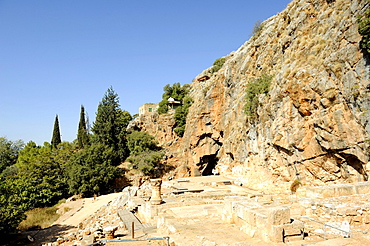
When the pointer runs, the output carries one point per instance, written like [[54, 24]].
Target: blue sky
[[58, 55]]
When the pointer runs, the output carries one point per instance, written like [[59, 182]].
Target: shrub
[[364, 30], [139, 142], [257, 28], [146, 162], [217, 65], [255, 87], [145, 155], [180, 116]]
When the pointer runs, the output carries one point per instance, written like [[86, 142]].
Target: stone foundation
[[269, 223], [338, 190]]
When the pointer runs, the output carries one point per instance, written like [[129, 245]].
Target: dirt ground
[[68, 222]]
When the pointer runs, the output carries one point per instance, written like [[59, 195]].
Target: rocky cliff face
[[313, 123]]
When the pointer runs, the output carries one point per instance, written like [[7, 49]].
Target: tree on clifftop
[[176, 91], [55, 140], [82, 134]]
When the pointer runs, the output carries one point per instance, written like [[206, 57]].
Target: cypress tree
[[110, 124], [82, 134], [56, 139]]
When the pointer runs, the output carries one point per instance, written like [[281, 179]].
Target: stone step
[[176, 192], [127, 218], [147, 227], [177, 187]]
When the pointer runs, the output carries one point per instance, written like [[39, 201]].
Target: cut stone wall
[[338, 190]]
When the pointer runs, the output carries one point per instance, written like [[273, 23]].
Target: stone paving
[[213, 210]]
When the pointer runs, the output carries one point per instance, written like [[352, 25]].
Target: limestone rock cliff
[[314, 122]]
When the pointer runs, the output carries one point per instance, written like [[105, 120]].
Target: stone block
[[345, 190], [250, 217], [261, 220], [294, 228], [87, 240], [362, 188], [278, 215], [276, 233], [313, 192], [239, 209], [327, 191], [349, 211], [366, 219]]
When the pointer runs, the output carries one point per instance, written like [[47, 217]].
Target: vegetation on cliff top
[[217, 65], [180, 94]]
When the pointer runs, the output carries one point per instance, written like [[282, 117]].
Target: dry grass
[[40, 218]]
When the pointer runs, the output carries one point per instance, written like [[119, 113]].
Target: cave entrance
[[207, 164]]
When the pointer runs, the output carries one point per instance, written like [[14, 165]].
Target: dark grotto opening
[[207, 164]]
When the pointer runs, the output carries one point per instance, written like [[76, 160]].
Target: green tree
[[110, 125], [146, 162], [9, 152], [82, 134], [56, 139], [11, 207], [41, 173], [145, 155], [176, 91], [92, 171], [38, 179]]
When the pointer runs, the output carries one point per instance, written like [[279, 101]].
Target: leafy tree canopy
[[36, 180], [176, 91], [9, 152], [92, 170], [139, 142]]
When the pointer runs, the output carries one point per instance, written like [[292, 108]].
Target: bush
[[139, 142], [217, 65], [364, 30], [163, 107], [255, 87], [180, 116], [146, 162], [145, 155], [257, 28]]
